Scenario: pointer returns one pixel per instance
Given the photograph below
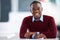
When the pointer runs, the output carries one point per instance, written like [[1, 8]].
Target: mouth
[[37, 15]]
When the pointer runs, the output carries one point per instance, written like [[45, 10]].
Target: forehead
[[36, 5]]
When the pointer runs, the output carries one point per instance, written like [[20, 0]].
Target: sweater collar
[[41, 18]]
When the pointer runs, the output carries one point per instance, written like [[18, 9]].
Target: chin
[[37, 17]]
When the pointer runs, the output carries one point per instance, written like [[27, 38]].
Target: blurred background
[[12, 13]]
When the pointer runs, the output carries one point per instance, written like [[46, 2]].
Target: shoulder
[[27, 18], [48, 17]]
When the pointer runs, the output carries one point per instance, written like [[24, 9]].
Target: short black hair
[[35, 2]]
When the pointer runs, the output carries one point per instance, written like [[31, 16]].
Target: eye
[[34, 9], [37, 8]]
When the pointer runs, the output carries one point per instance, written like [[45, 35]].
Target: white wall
[[12, 27]]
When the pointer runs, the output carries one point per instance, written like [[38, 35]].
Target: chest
[[38, 26]]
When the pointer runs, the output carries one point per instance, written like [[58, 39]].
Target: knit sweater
[[47, 27]]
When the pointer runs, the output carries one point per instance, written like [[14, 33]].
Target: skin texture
[[28, 34], [36, 10]]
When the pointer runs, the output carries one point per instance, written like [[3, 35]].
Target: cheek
[[39, 11]]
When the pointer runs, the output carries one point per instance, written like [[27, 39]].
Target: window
[[5, 7], [24, 5]]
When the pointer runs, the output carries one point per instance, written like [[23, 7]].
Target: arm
[[23, 29], [52, 30]]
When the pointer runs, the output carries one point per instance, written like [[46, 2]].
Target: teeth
[[37, 13]]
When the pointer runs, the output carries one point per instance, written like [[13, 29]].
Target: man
[[39, 26]]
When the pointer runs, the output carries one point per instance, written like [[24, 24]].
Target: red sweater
[[47, 27]]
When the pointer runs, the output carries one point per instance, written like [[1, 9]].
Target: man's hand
[[28, 34], [41, 36]]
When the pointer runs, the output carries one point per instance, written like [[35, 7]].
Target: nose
[[36, 11]]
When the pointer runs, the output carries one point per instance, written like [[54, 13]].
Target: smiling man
[[39, 26]]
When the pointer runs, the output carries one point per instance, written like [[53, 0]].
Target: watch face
[[38, 33]]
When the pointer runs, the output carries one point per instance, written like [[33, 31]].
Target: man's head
[[36, 9]]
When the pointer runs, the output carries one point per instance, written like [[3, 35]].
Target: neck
[[37, 19]]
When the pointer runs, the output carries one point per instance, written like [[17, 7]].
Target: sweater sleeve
[[23, 28], [52, 30]]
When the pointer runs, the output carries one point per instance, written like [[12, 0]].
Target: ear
[[31, 11], [41, 8]]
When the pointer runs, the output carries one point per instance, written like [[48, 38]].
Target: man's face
[[36, 10]]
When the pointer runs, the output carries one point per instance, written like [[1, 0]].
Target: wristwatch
[[33, 36]]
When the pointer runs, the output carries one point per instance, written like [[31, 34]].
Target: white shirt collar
[[41, 18]]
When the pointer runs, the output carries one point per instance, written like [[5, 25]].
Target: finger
[[26, 35]]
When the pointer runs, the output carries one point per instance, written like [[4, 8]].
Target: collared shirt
[[41, 18]]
